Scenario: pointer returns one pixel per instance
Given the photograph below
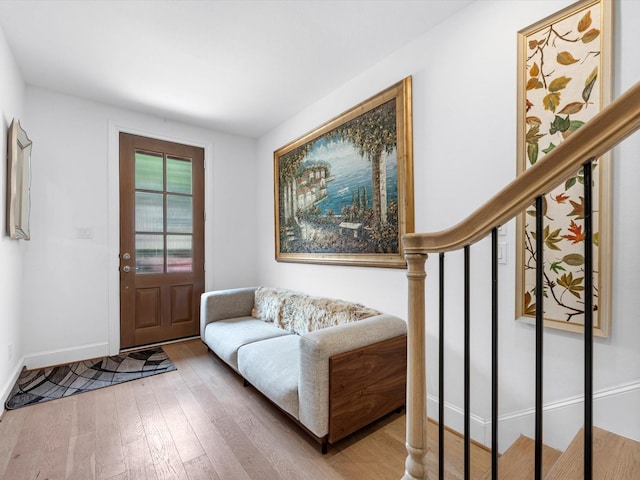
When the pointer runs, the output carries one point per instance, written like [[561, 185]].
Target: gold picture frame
[[332, 204], [564, 79]]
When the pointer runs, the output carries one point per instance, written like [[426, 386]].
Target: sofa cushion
[[272, 366], [225, 337], [301, 313]]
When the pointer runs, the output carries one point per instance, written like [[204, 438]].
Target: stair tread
[[518, 461], [614, 457]]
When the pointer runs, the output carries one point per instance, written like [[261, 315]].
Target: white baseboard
[[615, 409], [454, 418], [66, 355], [5, 390]]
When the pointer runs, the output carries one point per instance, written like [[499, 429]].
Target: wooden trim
[[365, 384], [602, 133]]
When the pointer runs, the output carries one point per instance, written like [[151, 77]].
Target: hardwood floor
[[197, 422]]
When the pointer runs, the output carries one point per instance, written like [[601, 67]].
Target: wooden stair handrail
[[596, 137], [599, 135]]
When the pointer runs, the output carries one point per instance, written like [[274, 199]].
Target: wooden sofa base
[[365, 385]]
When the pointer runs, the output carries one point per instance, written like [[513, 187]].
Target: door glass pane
[[156, 221], [149, 174], [179, 253], [149, 212], [178, 175], [149, 253], [179, 214]]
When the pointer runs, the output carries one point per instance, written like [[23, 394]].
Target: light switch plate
[[502, 252], [84, 233]]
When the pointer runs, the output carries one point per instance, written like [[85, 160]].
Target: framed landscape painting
[[344, 192], [564, 65]]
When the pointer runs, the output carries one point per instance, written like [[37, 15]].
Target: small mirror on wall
[[18, 182]]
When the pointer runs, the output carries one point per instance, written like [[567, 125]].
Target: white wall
[[11, 251], [464, 80], [71, 285], [464, 104]]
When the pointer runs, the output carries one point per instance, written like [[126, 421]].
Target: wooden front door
[[161, 240]]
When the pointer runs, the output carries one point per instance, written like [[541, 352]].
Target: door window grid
[[163, 213]]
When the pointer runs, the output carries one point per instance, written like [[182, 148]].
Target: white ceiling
[[240, 66]]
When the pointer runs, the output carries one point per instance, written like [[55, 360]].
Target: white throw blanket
[[301, 313]]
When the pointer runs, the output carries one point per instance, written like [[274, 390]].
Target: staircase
[[615, 458], [594, 453], [517, 461]]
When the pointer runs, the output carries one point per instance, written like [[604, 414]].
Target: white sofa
[[333, 366]]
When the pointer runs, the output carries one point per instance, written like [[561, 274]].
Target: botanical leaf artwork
[[562, 92]]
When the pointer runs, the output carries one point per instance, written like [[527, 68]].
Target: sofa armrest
[[315, 350], [222, 304]]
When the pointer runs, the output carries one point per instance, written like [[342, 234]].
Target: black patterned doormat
[[37, 386]]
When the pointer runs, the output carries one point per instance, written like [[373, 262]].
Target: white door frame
[[113, 221]]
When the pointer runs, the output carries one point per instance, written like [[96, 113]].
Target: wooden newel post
[[415, 465]]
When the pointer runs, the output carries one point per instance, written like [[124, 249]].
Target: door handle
[[126, 269]]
